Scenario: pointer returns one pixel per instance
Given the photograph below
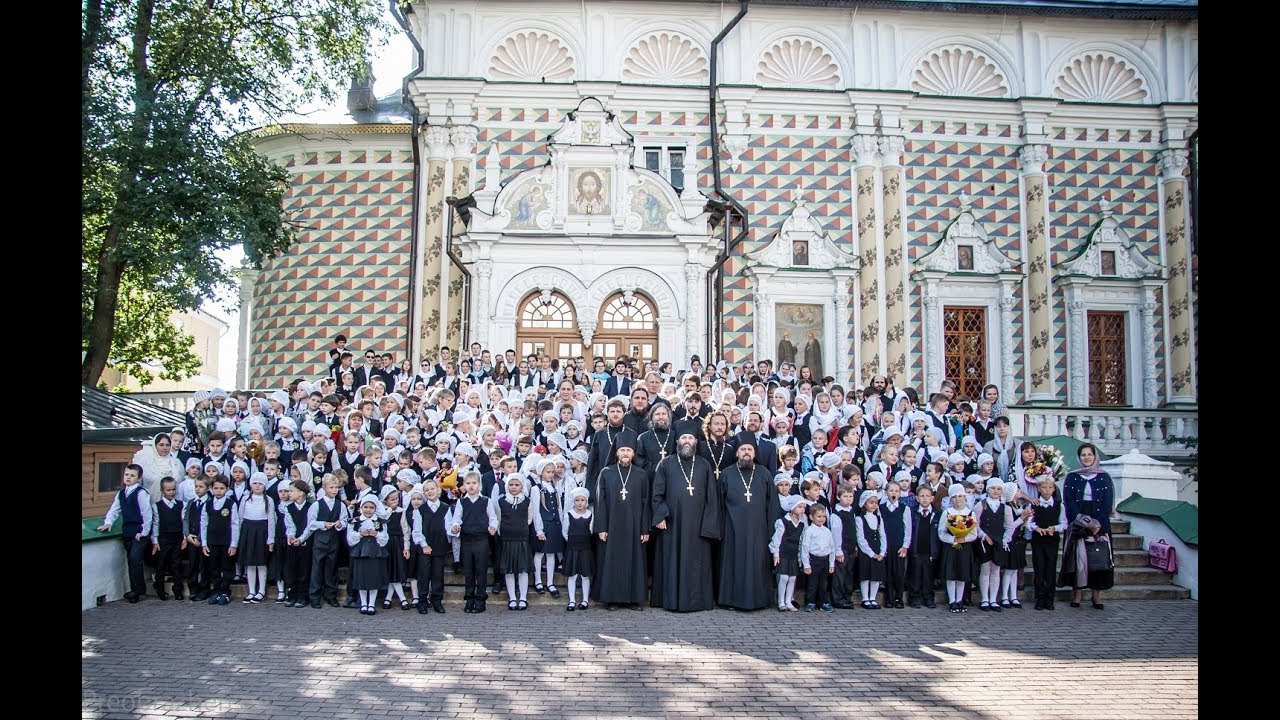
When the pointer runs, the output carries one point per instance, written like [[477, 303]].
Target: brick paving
[[1135, 659]]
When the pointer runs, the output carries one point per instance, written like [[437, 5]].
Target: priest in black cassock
[[659, 440], [622, 525], [746, 564], [717, 446], [686, 508], [604, 443]]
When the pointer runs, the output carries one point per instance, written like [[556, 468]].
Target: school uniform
[[397, 570], [872, 541], [844, 527], [133, 505], [922, 553], [430, 529], [548, 499], [297, 559], [197, 563], [368, 554], [1045, 514], [897, 529], [257, 525], [474, 517], [219, 531], [324, 547], [785, 544], [515, 515], [576, 531], [817, 545], [957, 563], [994, 524], [166, 533]]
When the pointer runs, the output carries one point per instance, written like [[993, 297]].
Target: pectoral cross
[[662, 454], [748, 496], [623, 493], [690, 488], [717, 473]]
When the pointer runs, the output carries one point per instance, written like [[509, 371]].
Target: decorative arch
[[1132, 56], [554, 31], [662, 56], [994, 54], [547, 310], [831, 44], [634, 279], [543, 278]]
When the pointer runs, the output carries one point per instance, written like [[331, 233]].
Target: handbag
[[1085, 526], [1162, 556], [1098, 555]]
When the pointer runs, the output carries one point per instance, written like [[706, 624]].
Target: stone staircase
[[1134, 581]]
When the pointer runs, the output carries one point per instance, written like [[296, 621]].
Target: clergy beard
[[661, 424], [745, 464], [624, 463], [686, 451]]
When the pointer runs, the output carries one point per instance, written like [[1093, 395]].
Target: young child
[[516, 512], [197, 564], [1048, 522], [1011, 574], [367, 536], [256, 536], [923, 549], [279, 490], [167, 539], [995, 528], [219, 531], [575, 528], [430, 537], [326, 518], [297, 553], [472, 520], [547, 496], [817, 545], [187, 487], [872, 549], [957, 556], [844, 528], [897, 519], [397, 569], [785, 546]]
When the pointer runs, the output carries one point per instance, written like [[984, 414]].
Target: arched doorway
[[627, 326], [547, 325]]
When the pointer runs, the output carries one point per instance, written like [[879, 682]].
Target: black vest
[[992, 522], [475, 516], [431, 525], [848, 530], [393, 523], [873, 536], [194, 508], [921, 542], [514, 524], [323, 514], [170, 520], [895, 525], [129, 512], [1046, 517], [579, 533], [218, 531], [789, 546], [299, 516]]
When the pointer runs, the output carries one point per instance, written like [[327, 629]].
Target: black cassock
[[604, 452], [746, 565], [650, 446], [620, 559], [682, 574]]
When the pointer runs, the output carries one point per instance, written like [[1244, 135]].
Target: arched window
[[628, 311], [548, 326], [628, 326]]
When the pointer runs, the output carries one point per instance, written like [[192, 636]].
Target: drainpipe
[[446, 248], [417, 189], [715, 338]]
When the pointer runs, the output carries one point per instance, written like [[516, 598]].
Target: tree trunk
[[102, 327]]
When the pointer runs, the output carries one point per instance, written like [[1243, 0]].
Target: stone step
[[1141, 576], [1126, 542], [1120, 527], [1123, 558]]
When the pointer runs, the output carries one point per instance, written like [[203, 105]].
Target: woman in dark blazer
[[1090, 491]]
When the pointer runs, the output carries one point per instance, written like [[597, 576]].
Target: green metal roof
[[89, 530], [1183, 518], [111, 418], [1067, 445]]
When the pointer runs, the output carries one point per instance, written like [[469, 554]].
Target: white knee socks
[[791, 588], [537, 569], [551, 571], [511, 586], [256, 578], [413, 588], [1008, 584], [365, 600], [989, 582], [782, 590], [396, 589], [955, 590], [573, 589], [523, 580]]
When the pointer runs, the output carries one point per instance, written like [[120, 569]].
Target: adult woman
[[598, 372], [158, 462], [1086, 491]]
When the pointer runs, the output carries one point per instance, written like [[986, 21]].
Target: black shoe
[[315, 604], [497, 588], [572, 606], [1039, 605], [638, 607], [350, 602], [1097, 606], [996, 608], [582, 605], [842, 605], [423, 609], [386, 604], [478, 608], [160, 593], [1075, 604], [131, 596], [898, 604], [553, 591], [177, 593], [1015, 604], [931, 605], [522, 604], [610, 606], [539, 588], [470, 608], [914, 605], [457, 568]]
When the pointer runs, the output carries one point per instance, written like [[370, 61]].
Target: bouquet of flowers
[[960, 526], [1048, 462]]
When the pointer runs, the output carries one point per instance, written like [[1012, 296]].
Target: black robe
[[682, 576], [719, 455], [603, 453], [746, 564], [637, 422], [650, 445], [620, 573]]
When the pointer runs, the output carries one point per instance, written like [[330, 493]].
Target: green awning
[[89, 530], [1182, 517], [1068, 446]]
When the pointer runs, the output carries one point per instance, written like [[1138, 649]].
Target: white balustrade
[[1115, 432]]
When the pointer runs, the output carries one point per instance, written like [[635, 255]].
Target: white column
[[438, 139], [480, 311], [248, 279], [840, 325], [1006, 340], [695, 290], [932, 340], [1077, 347]]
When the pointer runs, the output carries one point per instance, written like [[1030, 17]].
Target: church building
[[987, 192]]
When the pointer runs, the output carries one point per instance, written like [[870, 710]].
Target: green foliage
[[168, 176], [1190, 442]]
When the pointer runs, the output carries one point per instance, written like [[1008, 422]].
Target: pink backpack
[[1162, 556]]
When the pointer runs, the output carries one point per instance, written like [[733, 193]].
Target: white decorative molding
[[532, 56], [797, 62], [463, 140], [1172, 162], [665, 58], [664, 297], [774, 285], [587, 328], [966, 230], [1134, 298], [800, 227], [1031, 159], [959, 71], [545, 279], [866, 150], [1101, 77], [1108, 235]]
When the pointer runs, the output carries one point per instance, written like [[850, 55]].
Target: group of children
[[285, 490]]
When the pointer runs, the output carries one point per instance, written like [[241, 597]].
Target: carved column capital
[[891, 148], [1172, 161], [865, 150], [1031, 158], [437, 140], [463, 139]]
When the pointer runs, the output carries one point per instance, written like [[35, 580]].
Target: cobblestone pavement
[[1135, 659]]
